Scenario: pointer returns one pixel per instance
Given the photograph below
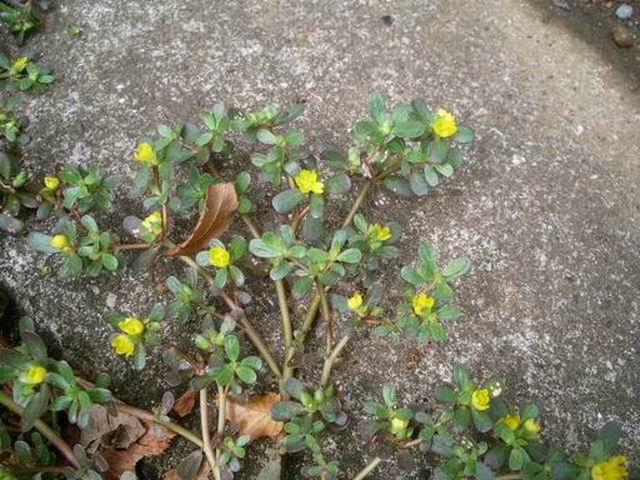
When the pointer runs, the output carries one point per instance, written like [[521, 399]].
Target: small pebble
[[622, 36], [564, 4], [624, 11], [387, 20]]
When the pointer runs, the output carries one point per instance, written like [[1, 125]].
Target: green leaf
[[430, 175], [35, 345], [286, 201], [301, 287], [286, 410], [412, 276], [483, 472], [109, 262], [263, 250], [236, 275], [317, 256], [40, 242], [265, 136], [456, 268], [450, 312], [445, 169], [220, 280], [445, 394], [36, 406], [389, 395], [464, 135], [418, 184], [482, 421], [232, 347], [247, 375], [517, 459], [376, 106], [339, 183], [350, 255], [461, 375], [409, 129]]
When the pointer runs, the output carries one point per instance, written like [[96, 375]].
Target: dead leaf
[[184, 405], [221, 204], [149, 445], [106, 430], [253, 418], [203, 474]]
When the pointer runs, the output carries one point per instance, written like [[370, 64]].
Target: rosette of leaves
[[11, 126], [233, 450], [193, 192], [29, 453], [227, 369], [22, 74], [402, 140], [20, 18], [242, 183], [463, 460], [217, 123], [16, 192], [66, 231], [283, 158], [188, 296], [462, 406], [376, 242], [223, 259], [428, 292], [87, 189], [390, 420], [308, 265], [266, 118], [94, 248]]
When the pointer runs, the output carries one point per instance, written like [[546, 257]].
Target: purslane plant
[[408, 150]]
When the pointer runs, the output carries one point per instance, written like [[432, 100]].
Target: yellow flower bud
[[532, 426], [219, 257], [481, 399], [61, 242], [380, 232], [422, 304], [354, 302], [512, 421], [34, 375], [146, 153], [19, 64], [307, 181], [52, 183], [153, 223], [614, 468], [123, 345], [398, 425], [131, 325], [445, 124]]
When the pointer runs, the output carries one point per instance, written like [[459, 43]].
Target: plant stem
[[364, 190], [45, 430], [326, 313], [206, 438], [131, 246], [286, 327], [371, 466], [251, 332], [251, 226], [509, 476], [331, 359], [150, 417]]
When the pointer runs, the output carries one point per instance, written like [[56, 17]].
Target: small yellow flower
[[131, 325], [34, 375], [614, 468], [219, 257], [307, 181], [512, 421], [145, 153], [355, 301], [380, 232], [123, 345], [153, 223], [422, 303], [398, 425], [480, 399], [19, 64], [61, 242], [52, 183], [445, 124], [532, 425]]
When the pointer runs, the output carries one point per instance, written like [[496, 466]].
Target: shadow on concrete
[[593, 22]]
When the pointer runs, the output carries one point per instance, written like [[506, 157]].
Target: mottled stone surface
[[547, 207]]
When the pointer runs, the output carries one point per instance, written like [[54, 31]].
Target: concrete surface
[[547, 207]]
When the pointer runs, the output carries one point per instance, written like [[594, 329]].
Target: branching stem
[[326, 313], [206, 438], [330, 361], [371, 466]]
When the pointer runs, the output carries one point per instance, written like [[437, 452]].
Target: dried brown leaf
[[203, 474], [253, 418], [149, 445], [103, 429], [185, 404], [221, 204]]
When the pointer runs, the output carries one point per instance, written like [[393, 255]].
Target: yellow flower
[[398, 425], [307, 181], [422, 303], [131, 325], [153, 223], [614, 468], [355, 301], [61, 242], [123, 345], [52, 183], [532, 426], [480, 399], [34, 375], [145, 153], [19, 64], [512, 421], [381, 232], [445, 124], [219, 257]]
